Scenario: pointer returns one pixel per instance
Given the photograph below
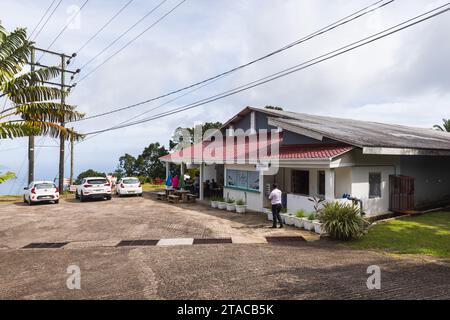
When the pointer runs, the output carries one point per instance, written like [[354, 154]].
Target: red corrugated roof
[[257, 149]]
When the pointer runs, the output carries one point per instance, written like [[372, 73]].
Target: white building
[[388, 167]]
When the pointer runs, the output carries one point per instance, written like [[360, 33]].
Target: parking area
[[174, 266]]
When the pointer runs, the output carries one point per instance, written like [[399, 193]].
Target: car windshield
[[97, 181], [131, 181], [44, 186]]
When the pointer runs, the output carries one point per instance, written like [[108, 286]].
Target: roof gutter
[[404, 151]]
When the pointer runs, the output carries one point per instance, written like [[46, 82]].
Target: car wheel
[[24, 200], [76, 195], [30, 203], [56, 201], [82, 197]]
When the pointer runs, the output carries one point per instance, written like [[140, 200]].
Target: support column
[[182, 170], [330, 181], [167, 170], [201, 196]]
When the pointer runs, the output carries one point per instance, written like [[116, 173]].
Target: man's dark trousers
[[276, 209]]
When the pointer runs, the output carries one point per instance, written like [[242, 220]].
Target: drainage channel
[[167, 242]]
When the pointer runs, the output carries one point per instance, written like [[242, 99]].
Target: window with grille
[[374, 185], [300, 182]]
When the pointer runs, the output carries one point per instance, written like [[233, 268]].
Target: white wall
[[432, 177], [254, 201], [297, 202], [343, 181], [360, 188]]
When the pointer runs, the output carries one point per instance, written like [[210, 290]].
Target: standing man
[[275, 198]]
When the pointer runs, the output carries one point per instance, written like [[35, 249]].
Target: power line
[[104, 26], [42, 18], [355, 45], [64, 28], [124, 33], [47, 20], [132, 40], [330, 27]]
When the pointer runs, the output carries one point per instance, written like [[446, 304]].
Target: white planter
[[318, 227], [222, 205], [298, 222], [241, 209], [231, 207], [214, 204], [308, 224], [289, 220]]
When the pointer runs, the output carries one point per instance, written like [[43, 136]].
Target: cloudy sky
[[402, 79]]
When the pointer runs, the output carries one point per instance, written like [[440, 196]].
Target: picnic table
[[183, 194]]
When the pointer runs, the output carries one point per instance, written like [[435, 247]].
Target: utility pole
[[71, 159], [65, 60], [62, 137], [31, 138]]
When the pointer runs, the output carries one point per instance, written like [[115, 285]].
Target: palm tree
[[445, 126], [6, 176], [33, 109]]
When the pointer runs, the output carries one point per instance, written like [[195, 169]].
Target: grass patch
[[150, 187], [427, 234], [10, 198]]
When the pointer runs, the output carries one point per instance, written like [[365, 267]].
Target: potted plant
[[221, 204], [231, 206], [288, 218], [214, 202], [318, 227], [308, 223], [299, 215], [240, 206], [269, 214]]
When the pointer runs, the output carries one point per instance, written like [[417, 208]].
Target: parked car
[[93, 188], [41, 191], [128, 186]]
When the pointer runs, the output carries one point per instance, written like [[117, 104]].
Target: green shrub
[[300, 213], [342, 221], [240, 202], [283, 210], [230, 201], [312, 217], [220, 199]]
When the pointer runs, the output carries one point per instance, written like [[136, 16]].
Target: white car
[[41, 191], [93, 188], [129, 186]]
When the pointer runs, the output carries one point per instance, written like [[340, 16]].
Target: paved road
[[247, 269]]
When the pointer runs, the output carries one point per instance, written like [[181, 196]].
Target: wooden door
[[401, 191]]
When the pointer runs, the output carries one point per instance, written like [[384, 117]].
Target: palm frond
[[48, 112], [17, 130], [23, 128], [35, 94], [14, 52], [29, 79]]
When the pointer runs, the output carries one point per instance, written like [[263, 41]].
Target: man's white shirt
[[275, 196]]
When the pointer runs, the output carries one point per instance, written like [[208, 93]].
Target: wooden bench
[[191, 197], [161, 195], [174, 198]]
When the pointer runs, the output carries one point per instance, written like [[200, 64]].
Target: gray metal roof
[[363, 133]]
